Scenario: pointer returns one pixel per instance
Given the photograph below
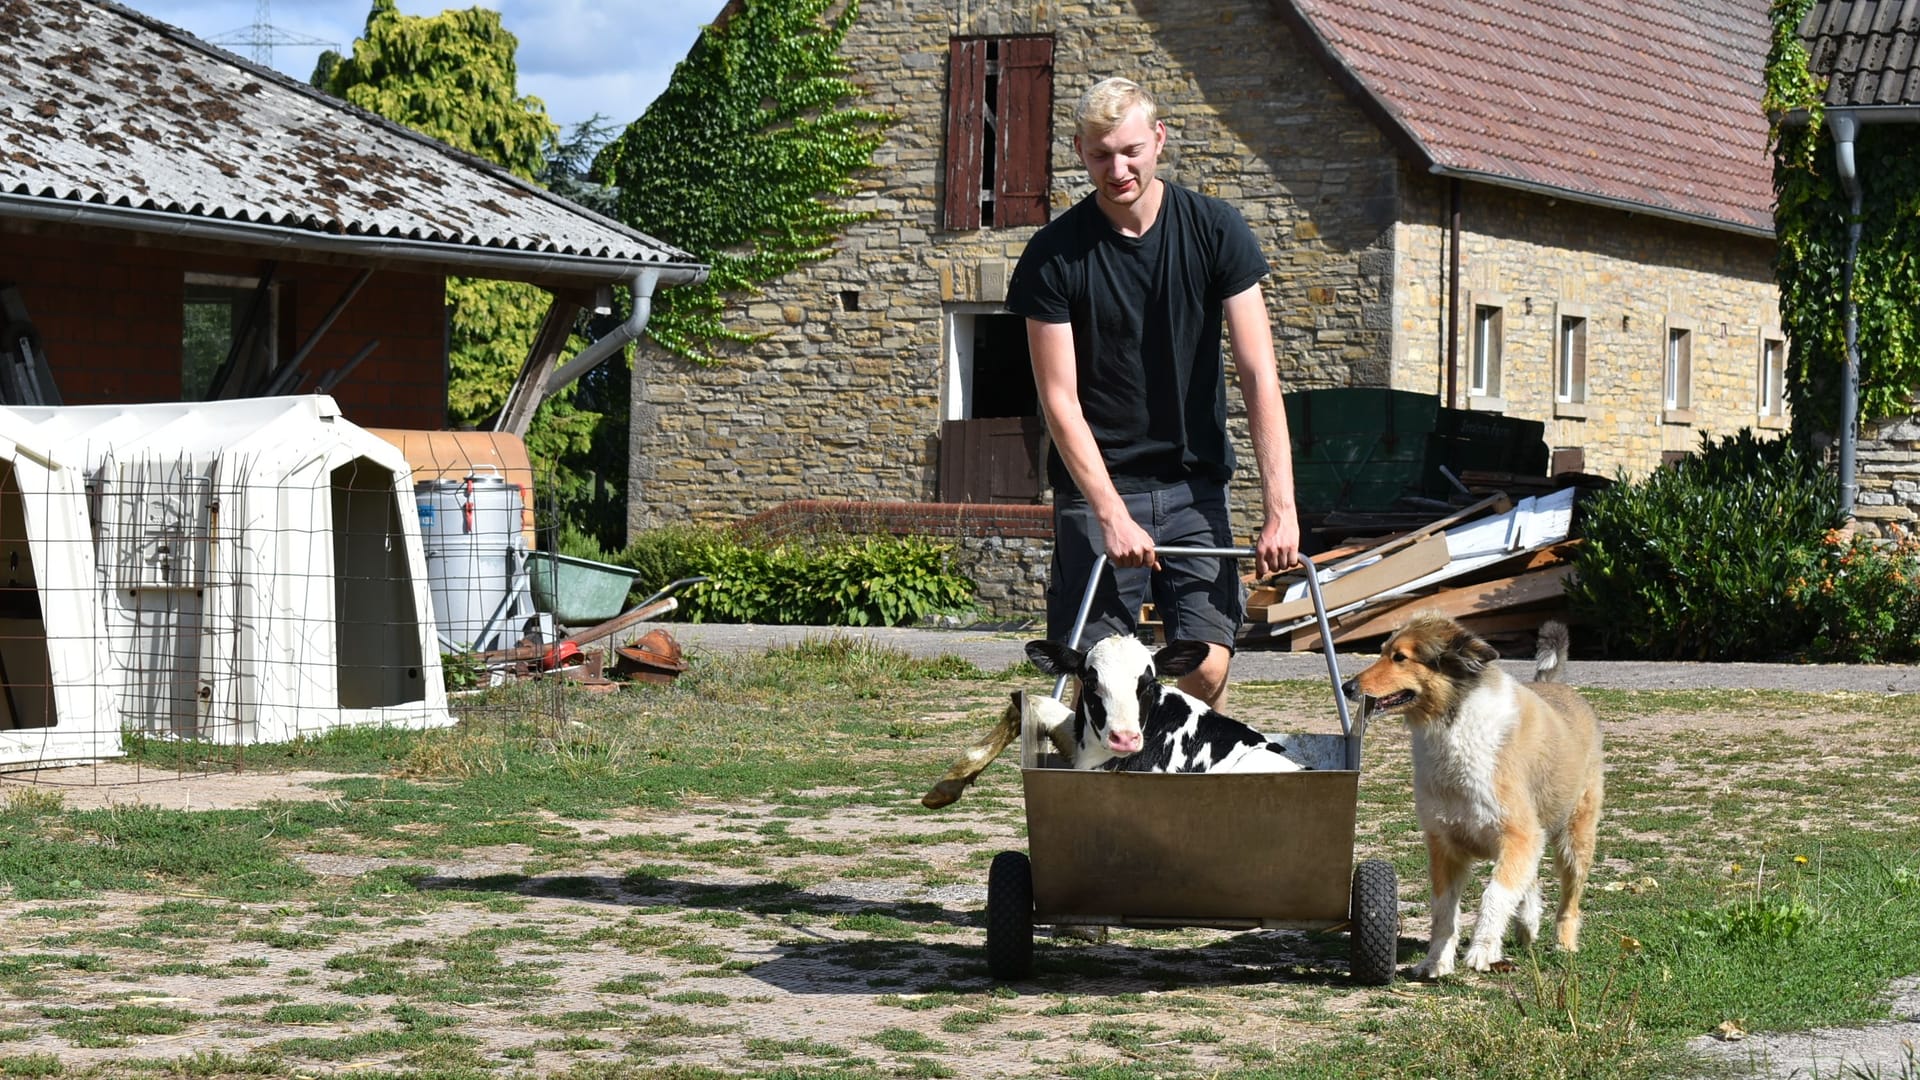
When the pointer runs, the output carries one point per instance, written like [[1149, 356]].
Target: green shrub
[[1697, 562], [1863, 598], [825, 581]]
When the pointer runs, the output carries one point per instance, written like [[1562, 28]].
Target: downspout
[[642, 285], [1453, 289], [1844, 126]]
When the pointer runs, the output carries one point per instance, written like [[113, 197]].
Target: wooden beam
[[1422, 558]]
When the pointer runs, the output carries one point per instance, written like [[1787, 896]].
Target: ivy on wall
[[1811, 224], [744, 161]]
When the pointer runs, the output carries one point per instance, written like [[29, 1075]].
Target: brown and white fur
[[1499, 768]]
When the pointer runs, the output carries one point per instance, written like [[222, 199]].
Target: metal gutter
[[642, 285], [520, 265], [1625, 205]]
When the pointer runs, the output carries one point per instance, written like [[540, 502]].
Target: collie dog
[[1499, 768]]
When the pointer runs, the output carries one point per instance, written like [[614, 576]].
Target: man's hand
[[1278, 546], [1128, 544]]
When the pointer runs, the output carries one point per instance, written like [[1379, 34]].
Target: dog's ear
[[1053, 658], [1466, 655], [1179, 657]]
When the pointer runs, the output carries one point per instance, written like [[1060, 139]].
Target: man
[[1125, 295]]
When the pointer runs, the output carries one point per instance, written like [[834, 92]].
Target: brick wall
[[109, 317]]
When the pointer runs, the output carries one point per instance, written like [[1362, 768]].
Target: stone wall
[[844, 396], [1887, 472], [1630, 276]]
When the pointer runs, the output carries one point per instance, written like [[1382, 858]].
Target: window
[[1677, 380], [999, 132], [1484, 378], [217, 311], [1570, 360], [1772, 380]]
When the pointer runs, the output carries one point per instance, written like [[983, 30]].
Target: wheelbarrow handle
[[1313, 589]]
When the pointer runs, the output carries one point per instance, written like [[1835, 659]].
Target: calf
[[1125, 720]]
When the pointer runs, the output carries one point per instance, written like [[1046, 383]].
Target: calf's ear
[[1053, 658], [1179, 657]]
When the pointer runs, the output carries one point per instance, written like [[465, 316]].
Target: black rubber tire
[[1375, 931], [1010, 916]]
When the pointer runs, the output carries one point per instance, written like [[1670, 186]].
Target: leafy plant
[[1697, 561], [743, 160], [1811, 219], [825, 581], [1864, 598]]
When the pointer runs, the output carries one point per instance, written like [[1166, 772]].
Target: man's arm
[[1278, 545], [1055, 376]]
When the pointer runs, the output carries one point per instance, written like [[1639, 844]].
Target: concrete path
[[994, 650]]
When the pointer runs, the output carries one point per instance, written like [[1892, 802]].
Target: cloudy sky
[[579, 56]]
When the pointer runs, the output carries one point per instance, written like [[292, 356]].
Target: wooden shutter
[[966, 132], [1023, 150]]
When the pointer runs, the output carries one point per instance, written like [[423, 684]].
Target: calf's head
[[1119, 682]]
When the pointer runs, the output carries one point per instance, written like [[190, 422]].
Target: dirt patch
[[95, 787]]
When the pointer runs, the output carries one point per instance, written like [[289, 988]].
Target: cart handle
[[1313, 589]]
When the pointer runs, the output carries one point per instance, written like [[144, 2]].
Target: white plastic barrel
[[476, 560]]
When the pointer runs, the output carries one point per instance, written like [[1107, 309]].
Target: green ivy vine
[[745, 160], [1811, 225]]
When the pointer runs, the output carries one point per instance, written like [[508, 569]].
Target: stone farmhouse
[[1555, 211]]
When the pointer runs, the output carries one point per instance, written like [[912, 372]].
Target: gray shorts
[[1197, 598]]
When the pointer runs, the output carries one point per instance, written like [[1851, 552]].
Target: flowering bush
[[1863, 596]]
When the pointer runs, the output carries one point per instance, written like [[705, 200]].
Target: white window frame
[[1676, 372], [1570, 350], [956, 389], [1486, 352], [1771, 376]]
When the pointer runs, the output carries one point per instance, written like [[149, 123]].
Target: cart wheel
[[1010, 916], [1375, 933]]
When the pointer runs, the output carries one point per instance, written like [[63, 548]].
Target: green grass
[[753, 755]]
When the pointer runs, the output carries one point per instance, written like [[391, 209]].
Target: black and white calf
[[1126, 720]]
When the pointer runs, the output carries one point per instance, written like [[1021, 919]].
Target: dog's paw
[[1482, 957], [1433, 968]]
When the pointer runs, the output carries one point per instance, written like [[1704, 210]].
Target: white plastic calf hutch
[[260, 571], [55, 704]]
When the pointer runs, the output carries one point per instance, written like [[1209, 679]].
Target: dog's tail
[[1550, 654]]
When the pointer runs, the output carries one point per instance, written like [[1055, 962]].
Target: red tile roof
[[1650, 105]]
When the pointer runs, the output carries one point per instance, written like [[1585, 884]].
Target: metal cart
[[1231, 851]]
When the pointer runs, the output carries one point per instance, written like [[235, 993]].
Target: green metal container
[[578, 592]]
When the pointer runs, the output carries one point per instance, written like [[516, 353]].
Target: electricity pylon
[[262, 36]]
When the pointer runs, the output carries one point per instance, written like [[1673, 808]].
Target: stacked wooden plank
[[1498, 566]]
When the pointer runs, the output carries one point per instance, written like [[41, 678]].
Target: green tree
[[1811, 224], [452, 77], [745, 160]]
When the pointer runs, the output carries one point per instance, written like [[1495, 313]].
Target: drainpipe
[[1453, 288], [642, 285], [1844, 126]]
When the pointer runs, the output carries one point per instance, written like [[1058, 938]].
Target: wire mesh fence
[[179, 583]]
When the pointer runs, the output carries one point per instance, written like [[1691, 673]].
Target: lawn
[[732, 876]]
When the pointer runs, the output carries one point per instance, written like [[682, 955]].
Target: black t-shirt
[[1146, 314]]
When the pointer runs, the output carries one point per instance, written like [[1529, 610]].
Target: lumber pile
[[1497, 565]]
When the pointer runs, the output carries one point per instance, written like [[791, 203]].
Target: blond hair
[[1106, 104]]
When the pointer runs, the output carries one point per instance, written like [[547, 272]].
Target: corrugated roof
[[1869, 48], [1650, 104], [102, 105]]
